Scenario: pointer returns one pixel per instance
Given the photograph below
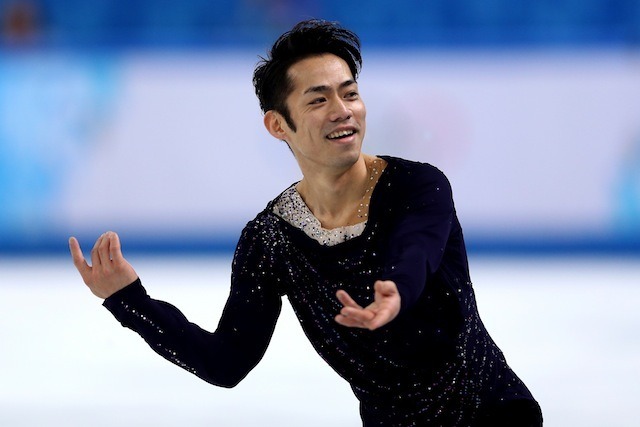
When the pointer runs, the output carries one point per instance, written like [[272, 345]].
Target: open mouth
[[341, 134]]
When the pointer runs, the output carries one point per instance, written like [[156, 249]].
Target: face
[[329, 115]]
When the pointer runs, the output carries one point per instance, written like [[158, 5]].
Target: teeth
[[340, 134]]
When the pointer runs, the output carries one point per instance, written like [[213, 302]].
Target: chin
[[348, 159]]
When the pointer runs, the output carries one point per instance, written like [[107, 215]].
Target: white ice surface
[[568, 326]]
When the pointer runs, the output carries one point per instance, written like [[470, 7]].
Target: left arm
[[416, 246]]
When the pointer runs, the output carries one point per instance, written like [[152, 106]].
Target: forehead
[[321, 70]]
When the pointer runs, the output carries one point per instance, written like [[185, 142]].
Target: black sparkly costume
[[434, 365]]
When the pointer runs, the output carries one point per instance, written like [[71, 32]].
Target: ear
[[276, 125]]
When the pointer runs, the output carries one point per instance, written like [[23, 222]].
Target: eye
[[317, 101], [351, 95]]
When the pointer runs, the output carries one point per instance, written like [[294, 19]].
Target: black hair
[[308, 38]]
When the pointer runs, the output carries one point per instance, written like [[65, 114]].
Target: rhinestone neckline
[[291, 207]]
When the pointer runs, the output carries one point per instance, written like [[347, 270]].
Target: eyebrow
[[325, 88]]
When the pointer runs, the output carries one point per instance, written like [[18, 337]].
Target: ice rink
[[568, 326]]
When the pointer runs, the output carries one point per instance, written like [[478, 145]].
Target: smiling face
[[328, 114]]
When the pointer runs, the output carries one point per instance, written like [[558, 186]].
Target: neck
[[341, 198]]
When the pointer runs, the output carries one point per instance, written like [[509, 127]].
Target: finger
[[115, 250], [103, 251], [95, 257], [360, 315], [78, 257], [346, 300], [382, 317], [348, 321]]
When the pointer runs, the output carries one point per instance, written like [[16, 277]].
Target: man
[[367, 249]]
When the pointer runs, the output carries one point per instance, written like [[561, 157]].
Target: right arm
[[223, 357]]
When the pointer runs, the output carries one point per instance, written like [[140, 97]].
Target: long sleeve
[[223, 357], [424, 218]]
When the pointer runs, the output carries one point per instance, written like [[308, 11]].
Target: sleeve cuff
[[129, 294]]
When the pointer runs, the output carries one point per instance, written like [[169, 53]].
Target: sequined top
[[434, 365]]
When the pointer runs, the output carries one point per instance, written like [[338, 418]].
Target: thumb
[[385, 287], [78, 259]]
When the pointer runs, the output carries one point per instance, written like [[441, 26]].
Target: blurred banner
[[127, 116], [542, 148]]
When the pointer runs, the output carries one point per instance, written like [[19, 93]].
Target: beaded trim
[[294, 210]]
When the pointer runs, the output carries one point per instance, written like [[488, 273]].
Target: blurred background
[[139, 116]]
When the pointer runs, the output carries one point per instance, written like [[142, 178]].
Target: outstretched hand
[[109, 271], [382, 310]]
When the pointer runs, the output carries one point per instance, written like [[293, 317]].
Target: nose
[[339, 110]]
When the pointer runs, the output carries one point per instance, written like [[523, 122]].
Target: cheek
[[361, 119], [313, 126], [361, 111]]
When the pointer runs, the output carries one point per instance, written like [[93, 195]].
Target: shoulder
[[403, 168], [262, 225], [267, 225], [413, 176]]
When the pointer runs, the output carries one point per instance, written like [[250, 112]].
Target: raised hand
[[382, 310], [109, 271]]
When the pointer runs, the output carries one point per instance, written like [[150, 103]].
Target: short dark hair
[[308, 38]]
